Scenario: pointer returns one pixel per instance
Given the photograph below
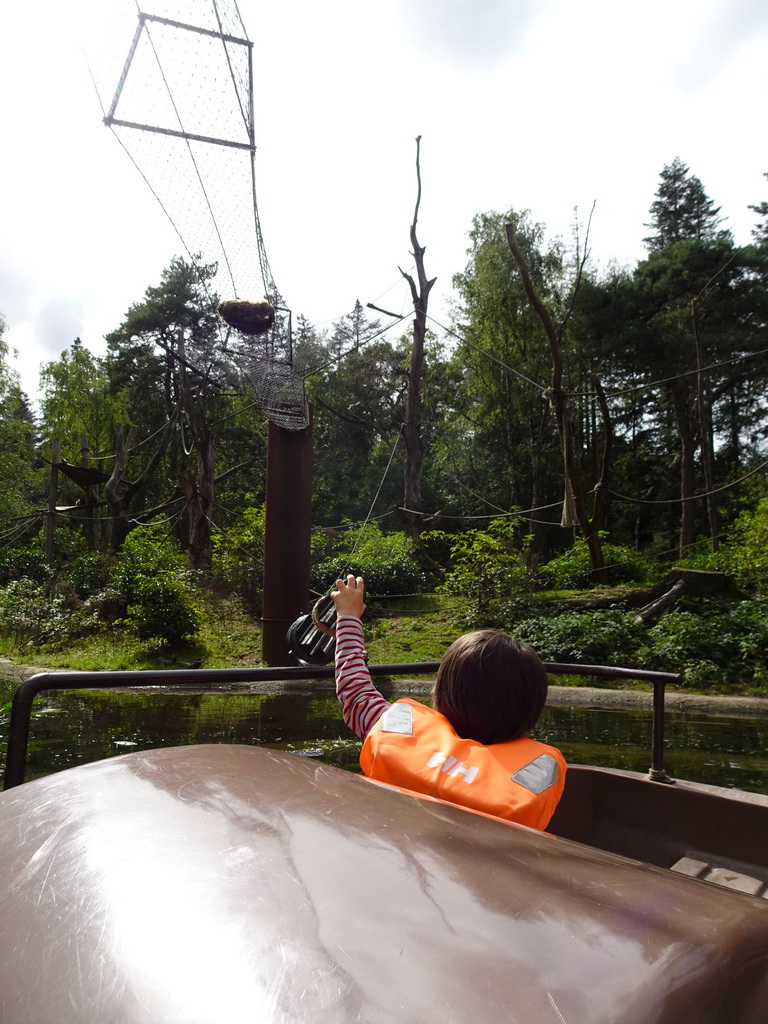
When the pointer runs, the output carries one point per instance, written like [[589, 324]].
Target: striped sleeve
[[361, 703]]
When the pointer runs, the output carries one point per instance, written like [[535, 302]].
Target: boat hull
[[228, 883]]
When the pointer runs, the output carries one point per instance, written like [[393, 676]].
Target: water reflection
[[77, 727]]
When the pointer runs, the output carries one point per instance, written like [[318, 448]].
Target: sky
[[544, 105]]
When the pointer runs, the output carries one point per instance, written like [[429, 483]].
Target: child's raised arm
[[362, 704], [349, 596]]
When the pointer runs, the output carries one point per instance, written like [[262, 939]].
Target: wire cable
[[690, 497], [488, 355], [359, 345], [378, 492]]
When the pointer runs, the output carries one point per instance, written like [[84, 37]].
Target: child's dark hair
[[490, 687]]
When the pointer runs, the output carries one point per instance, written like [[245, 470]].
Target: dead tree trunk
[[414, 444], [574, 511]]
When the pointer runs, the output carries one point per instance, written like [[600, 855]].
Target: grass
[[418, 631], [396, 631], [229, 637]]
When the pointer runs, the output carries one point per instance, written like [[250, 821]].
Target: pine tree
[[682, 210]]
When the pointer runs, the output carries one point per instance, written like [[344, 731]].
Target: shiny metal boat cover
[[232, 884]]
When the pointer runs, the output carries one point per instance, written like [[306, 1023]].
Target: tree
[[412, 430], [497, 446], [359, 408], [760, 231], [352, 331], [17, 442], [682, 210], [77, 398], [177, 386], [687, 324], [574, 504], [80, 409]]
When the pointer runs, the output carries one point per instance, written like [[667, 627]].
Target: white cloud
[[734, 29], [471, 35]]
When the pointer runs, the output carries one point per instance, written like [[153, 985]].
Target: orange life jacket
[[417, 748]]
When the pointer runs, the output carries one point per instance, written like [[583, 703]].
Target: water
[[76, 727]]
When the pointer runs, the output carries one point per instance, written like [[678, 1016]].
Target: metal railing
[[21, 708]]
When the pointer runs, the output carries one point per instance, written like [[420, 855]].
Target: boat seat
[[726, 877]]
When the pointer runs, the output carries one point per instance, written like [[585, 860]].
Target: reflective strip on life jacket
[[415, 747]]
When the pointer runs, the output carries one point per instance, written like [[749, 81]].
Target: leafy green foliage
[[146, 553], [29, 563], [29, 617], [712, 645], [485, 566], [745, 554], [89, 575], [238, 554], [496, 443], [78, 400], [162, 609], [17, 441], [384, 560], [573, 569], [597, 638], [150, 579]]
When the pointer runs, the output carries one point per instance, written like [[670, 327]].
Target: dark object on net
[[311, 639], [247, 317]]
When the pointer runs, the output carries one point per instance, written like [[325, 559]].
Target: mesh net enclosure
[[175, 82], [280, 391]]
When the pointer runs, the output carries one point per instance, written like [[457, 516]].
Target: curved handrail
[[21, 707]]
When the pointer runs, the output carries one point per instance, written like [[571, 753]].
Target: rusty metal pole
[[287, 529]]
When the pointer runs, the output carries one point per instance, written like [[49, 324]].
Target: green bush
[[745, 554], [573, 568], [383, 576], [609, 637], [29, 617], [238, 554], [89, 575], [715, 646], [146, 553], [384, 560], [29, 563], [485, 566], [162, 609]]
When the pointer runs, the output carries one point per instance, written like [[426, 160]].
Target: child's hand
[[349, 597]]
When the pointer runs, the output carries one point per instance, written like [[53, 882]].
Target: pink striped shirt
[[361, 703]]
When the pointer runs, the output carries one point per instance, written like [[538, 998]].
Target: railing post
[[657, 772], [18, 740]]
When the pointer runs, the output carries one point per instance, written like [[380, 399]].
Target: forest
[[584, 432]]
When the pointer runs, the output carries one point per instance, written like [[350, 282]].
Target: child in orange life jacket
[[473, 748]]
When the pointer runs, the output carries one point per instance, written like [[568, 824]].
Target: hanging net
[[177, 91]]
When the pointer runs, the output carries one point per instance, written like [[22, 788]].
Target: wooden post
[[287, 527], [53, 487]]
